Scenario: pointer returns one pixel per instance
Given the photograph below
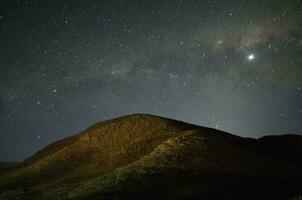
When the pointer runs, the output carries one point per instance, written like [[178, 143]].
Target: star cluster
[[231, 65]]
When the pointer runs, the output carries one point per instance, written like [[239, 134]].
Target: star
[[251, 57]]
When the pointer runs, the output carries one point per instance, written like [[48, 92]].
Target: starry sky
[[234, 65]]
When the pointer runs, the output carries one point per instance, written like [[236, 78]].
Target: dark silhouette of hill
[[149, 157], [8, 164]]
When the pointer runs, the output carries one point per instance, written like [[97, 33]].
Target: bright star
[[251, 57]]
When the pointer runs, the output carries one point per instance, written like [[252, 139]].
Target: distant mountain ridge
[[143, 156], [8, 164]]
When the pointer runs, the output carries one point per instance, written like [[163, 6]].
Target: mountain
[[143, 156], [4, 165]]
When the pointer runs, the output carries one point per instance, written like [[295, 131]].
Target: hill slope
[[144, 156]]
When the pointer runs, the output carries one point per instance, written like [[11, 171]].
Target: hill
[[5, 165], [149, 157]]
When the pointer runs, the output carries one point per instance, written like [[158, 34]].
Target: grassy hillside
[[153, 157]]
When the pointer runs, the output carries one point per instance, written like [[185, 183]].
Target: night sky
[[233, 65]]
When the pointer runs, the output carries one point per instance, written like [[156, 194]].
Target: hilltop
[[143, 156]]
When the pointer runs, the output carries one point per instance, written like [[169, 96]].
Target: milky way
[[232, 65]]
